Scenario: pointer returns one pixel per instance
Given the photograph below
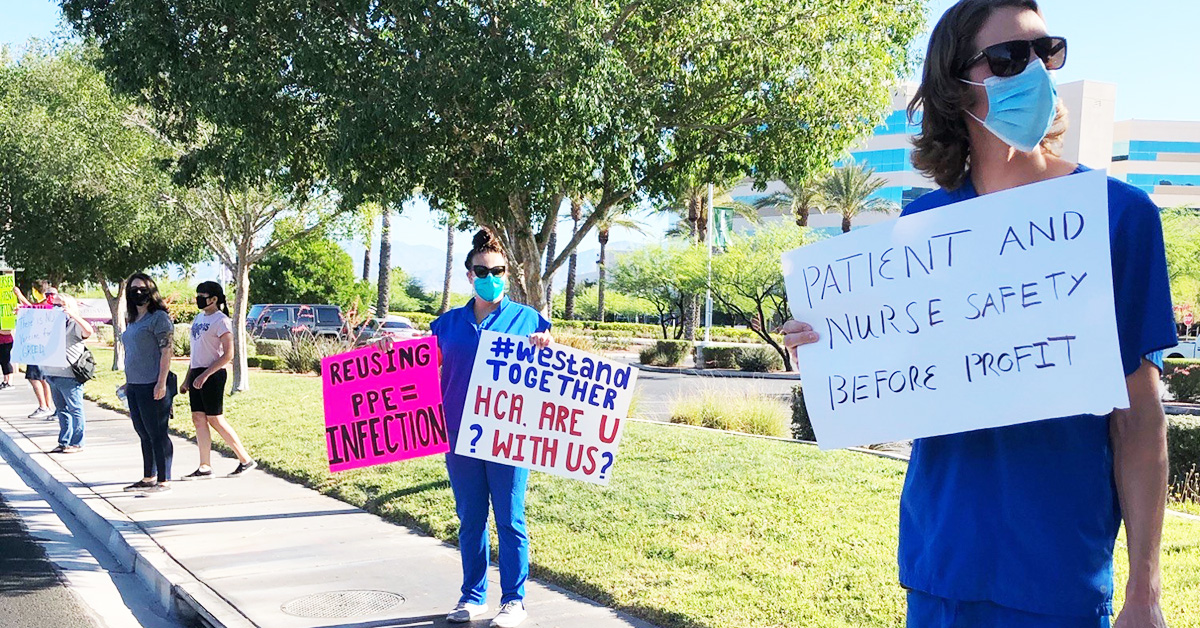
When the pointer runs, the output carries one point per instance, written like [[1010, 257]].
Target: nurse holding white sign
[[1010, 321]]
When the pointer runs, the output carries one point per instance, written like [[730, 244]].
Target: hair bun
[[485, 240]]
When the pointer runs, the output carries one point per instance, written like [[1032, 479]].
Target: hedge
[[1183, 378], [268, 362], [183, 340], [1183, 446], [759, 359], [420, 320], [717, 357], [802, 428], [272, 348], [665, 353]]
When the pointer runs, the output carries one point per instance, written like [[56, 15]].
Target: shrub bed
[[759, 359], [274, 348], [1183, 446], [747, 413], [183, 340], [665, 353], [267, 362], [1183, 378], [420, 320], [104, 333], [717, 357]]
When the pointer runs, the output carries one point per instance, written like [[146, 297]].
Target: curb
[[176, 590], [715, 372]]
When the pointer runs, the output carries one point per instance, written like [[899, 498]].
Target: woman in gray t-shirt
[[149, 386], [67, 391]]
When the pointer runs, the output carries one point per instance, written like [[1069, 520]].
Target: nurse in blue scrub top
[[1015, 526], [474, 481]]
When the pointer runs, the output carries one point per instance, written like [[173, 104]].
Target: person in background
[[149, 383], [1016, 526], [212, 351], [67, 391], [33, 373], [6, 346]]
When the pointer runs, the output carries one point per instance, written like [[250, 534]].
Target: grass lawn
[[698, 528]]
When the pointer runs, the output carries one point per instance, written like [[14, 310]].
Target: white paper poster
[[557, 410], [40, 337], [990, 312]]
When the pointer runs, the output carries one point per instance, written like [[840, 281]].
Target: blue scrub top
[[1027, 516], [458, 338]]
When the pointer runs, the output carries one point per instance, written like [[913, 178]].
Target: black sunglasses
[[1011, 57], [482, 271]]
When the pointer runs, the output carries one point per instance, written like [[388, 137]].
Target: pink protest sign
[[381, 407]]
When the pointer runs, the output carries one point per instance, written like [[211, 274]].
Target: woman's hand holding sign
[[541, 339], [796, 334]]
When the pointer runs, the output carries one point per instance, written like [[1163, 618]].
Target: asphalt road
[[31, 594]]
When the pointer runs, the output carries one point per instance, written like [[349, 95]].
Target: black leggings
[[151, 418], [6, 358]]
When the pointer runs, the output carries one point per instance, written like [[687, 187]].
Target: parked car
[[1187, 348], [283, 321], [252, 315], [398, 327]]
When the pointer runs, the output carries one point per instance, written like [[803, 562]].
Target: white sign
[[994, 311], [556, 410], [40, 337]]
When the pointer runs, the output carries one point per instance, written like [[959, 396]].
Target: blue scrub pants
[[930, 611], [67, 394], [475, 482]]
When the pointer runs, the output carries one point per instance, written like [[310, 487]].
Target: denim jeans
[[68, 403]]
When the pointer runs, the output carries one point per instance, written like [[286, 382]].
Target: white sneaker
[[511, 615], [464, 612]]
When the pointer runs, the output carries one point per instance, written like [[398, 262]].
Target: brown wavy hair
[[484, 242], [942, 150]]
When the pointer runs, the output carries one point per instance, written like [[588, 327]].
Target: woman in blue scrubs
[[1016, 526], [476, 482]]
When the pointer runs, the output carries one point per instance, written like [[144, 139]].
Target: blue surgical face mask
[[1021, 108], [490, 288]]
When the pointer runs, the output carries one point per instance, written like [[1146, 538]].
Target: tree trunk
[[445, 307], [569, 301], [693, 318], [116, 306], [572, 261], [600, 281], [366, 273], [802, 219], [241, 297], [551, 248], [845, 222], [383, 300]]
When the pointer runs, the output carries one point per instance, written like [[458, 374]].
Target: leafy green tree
[[847, 191], [1181, 235], [312, 269], [408, 294], [747, 280], [656, 275], [509, 107], [80, 187], [237, 224]]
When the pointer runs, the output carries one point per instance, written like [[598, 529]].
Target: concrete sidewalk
[[257, 550]]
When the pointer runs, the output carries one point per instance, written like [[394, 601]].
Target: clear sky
[[1148, 49]]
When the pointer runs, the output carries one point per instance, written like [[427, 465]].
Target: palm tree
[[572, 263], [617, 217], [383, 299], [800, 199], [847, 190]]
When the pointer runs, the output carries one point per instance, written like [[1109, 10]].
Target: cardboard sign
[[994, 311], [8, 302], [40, 337], [556, 410], [383, 407]]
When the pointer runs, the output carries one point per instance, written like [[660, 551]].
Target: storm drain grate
[[342, 604]]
